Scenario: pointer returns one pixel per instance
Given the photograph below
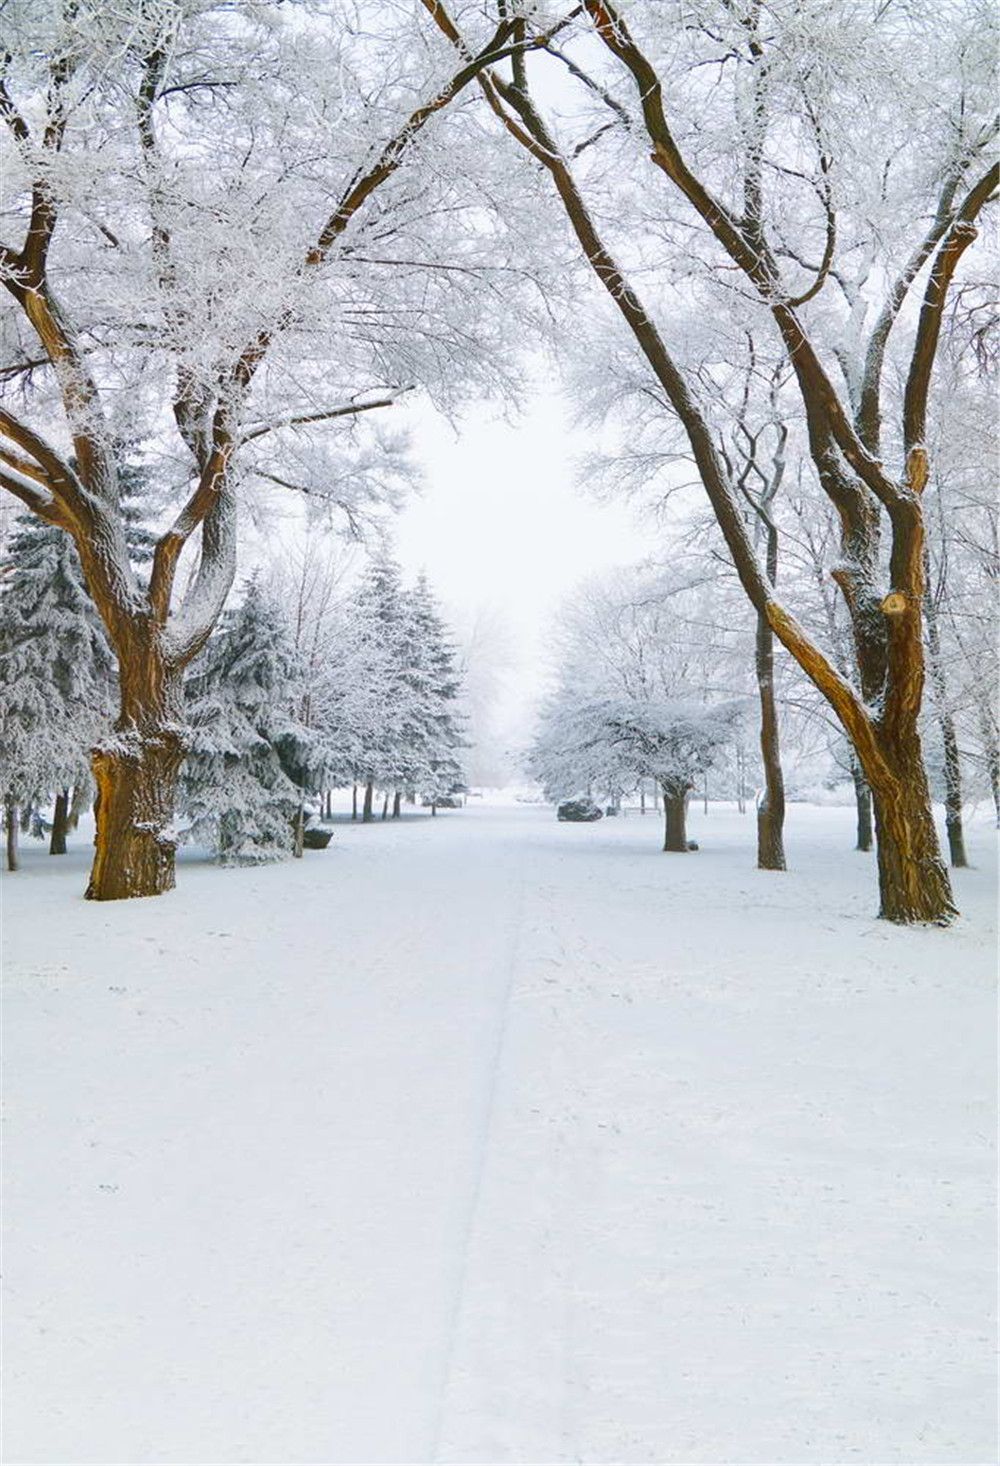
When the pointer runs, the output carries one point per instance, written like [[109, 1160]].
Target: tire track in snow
[[485, 1127]]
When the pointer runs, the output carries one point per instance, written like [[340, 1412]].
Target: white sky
[[502, 526]]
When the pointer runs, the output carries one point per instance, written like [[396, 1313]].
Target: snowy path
[[490, 1139]]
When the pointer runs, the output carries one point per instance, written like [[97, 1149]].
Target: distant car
[[584, 810]]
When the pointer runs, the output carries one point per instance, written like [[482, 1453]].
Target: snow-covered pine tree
[[249, 754], [434, 683], [383, 702], [56, 672]]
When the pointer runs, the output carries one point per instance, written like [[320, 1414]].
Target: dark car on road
[[583, 810]]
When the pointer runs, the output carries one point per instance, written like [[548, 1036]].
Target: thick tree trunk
[[136, 776], [863, 807], [675, 821], [771, 809], [60, 824], [397, 800], [366, 808], [136, 770], [11, 822], [913, 879]]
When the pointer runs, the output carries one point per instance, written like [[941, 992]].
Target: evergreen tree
[[249, 756], [434, 683], [56, 670]]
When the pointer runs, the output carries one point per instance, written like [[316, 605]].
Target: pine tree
[[434, 683], [249, 757], [56, 671]]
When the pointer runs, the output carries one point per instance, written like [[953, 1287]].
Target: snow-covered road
[[491, 1139]]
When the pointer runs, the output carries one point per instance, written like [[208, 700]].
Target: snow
[[488, 1138]]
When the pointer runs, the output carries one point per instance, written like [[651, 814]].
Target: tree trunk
[[946, 723], [299, 833], [385, 806], [10, 819], [354, 801], [863, 807], [642, 796], [136, 770], [60, 824], [771, 809], [366, 809], [912, 877], [136, 775], [675, 823], [397, 800], [953, 792], [78, 803]]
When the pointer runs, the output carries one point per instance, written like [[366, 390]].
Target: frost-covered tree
[[210, 254], [614, 742], [434, 683], [783, 144], [56, 672], [249, 754]]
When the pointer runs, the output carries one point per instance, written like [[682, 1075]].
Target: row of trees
[[234, 235], [655, 682], [308, 685]]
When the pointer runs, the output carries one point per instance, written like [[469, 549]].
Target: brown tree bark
[[913, 879], [675, 819], [136, 771], [60, 824]]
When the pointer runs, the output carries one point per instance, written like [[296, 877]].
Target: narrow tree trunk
[[78, 803], [397, 800], [946, 724], [354, 801], [434, 808], [771, 809], [675, 822], [11, 821], [385, 806], [863, 807], [913, 879], [60, 823], [366, 809], [299, 833], [953, 793], [642, 796]]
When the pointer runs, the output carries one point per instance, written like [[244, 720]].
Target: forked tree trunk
[[10, 820], [60, 824], [863, 808], [912, 877], [366, 808], [397, 800], [771, 809], [675, 820]]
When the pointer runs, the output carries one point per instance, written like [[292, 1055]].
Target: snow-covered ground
[[488, 1138]]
